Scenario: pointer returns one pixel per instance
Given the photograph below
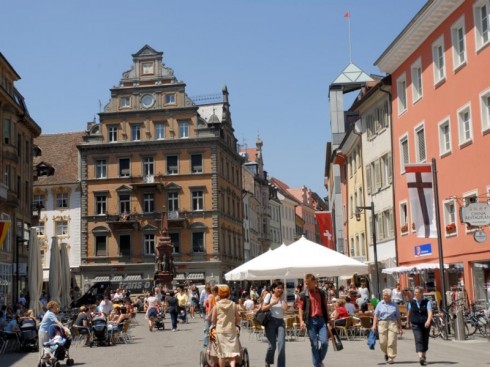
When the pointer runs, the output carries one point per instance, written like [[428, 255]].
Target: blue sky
[[277, 57]]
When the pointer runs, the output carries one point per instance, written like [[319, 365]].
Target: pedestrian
[[275, 330], [152, 310], [420, 317], [48, 320], [387, 320], [173, 309], [226, 318], [313, 315], [397, 294]]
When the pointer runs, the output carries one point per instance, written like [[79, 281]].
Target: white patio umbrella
[[65, 276], [35, 274], [55, 271], [241, 272], [303, 257]]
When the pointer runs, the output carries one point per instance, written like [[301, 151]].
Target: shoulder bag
[[336, 342], [263, 317]]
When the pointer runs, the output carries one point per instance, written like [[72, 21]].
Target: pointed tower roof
[[351, 77]]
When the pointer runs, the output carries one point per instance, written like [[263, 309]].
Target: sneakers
[[423, 362], [174, 329], [390, 361]]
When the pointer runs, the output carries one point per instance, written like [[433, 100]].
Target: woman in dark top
[[420, 317], [173, 309]]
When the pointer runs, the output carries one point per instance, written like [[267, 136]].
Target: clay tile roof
[[60, 151]]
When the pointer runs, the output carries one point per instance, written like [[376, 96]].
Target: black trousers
[[421, 336]]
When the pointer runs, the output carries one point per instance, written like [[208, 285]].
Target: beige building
[[156, 151], [17, 132]]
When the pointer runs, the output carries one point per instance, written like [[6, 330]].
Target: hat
[[334, 299]]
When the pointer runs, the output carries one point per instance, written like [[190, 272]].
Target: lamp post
[[359, 210]]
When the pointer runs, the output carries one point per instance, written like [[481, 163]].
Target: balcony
[[148, 182]]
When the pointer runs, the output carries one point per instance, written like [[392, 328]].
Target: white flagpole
[[350, 40]]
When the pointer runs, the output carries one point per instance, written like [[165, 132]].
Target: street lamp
[[359, 210]]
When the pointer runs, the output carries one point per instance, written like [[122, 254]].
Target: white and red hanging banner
[[325, 226], [421, 195]]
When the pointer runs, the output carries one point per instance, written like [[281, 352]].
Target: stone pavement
[[181, 348]]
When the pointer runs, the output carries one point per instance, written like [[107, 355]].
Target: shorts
[[152, 313]]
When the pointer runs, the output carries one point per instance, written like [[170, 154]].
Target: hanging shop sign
[[476, 214], [480, 236]]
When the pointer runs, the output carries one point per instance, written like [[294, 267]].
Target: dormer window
[[147, 68], [124, 102], [170, 98]]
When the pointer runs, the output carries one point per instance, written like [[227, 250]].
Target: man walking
[[313, 315]]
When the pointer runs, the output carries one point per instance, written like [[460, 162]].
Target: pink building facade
[[440, 68]]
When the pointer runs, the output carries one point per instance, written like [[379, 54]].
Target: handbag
[[336, 342], [262, 317], [371, 340]]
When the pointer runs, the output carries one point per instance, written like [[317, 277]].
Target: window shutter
[[390, 166], [368, 179], [377, 174], [391, 229]]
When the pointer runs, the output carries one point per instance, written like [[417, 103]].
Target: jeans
[[317, 330], [173, 317], [276, 334], [207, 325]]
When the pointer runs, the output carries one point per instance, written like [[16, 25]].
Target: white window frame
[[172, 170], [149, 243], [417, 80], [159, 130], [462, 129], [121, 173], [443, 149], [449, 217], [61, 228], [466, 195], [101, 168], [64, 199], [458, 45], [100, 204], [148, 166], [403, 139], [439, 60], [482, 24], [485, 110], [148, 202], [197, 200], [112, 133], [148, 68], [197, 168], [184, 129], [170, 99], [173, 198], [124, 102], [135, 132], [418, 157], [401, 92], [404, 220]]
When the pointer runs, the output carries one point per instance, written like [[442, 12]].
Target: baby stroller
[[209, 357], [56, 349], [159, 324], [100, 332], [182, 316], [28, 336]]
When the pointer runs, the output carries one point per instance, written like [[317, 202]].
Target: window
[[198, 241], [485, 110], [148, 166], [175, 240], [196, 163], [62, 200], [386, 176], [100, 245], [100, 204], [112, 131], [197, 200], [173, 201], [61, 228], [172, 165], [41, 228], [170, 98], [147, 68], [124, 245], [481, 11], [416, 74], [420, 143], [124, 102], [449, 213], [401, 90], [148, 203], [370, 125], [404, 217], [136, 132], [444, 138], [438, 60], [159, 130], [124, 203], [6, 131], [149, 243], [183, 129], [458, 40], [404, 156], [124, 170], [100, 168], [6, 175], [39, 201], [464, 123]]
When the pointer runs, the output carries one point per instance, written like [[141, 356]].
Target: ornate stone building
[[156, 150]]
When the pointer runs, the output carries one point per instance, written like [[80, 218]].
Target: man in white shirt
[[249, 304], [397, 294], [106, 305]]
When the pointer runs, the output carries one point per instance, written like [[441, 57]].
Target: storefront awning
[[180, 277], [415, 268], [104, 278], [133, 277], [195, 276]]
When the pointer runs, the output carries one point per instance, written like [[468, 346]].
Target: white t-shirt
[[276, 310], [397, 295], [364, 292], [248, 304]]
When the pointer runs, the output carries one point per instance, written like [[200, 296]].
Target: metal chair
[[344, 328]]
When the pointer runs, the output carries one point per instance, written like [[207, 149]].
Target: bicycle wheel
[[471, 325], [435, 329]]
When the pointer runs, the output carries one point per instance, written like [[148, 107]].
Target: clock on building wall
[[147, 100]]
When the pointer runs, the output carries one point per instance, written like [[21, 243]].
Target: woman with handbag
[[275, 330]]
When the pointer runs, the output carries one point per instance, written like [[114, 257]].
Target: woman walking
[[275, 330], [151, 312], [388, 321], [420, 317], [225, 316], [173, 309], [49, 319]]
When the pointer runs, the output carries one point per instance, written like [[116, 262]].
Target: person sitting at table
[[83, 322], [116, 326], [349, 306], [339, 313], [248, 304]]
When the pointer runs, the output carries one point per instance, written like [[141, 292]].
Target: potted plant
[[451, 228], [404, 228]]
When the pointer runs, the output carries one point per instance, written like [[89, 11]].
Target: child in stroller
[[100, 334], [56, 348], [28, 335], [159, 324]]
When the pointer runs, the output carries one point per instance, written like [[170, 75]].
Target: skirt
[[228, 345]]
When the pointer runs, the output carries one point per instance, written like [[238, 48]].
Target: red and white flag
[[325, 226], [347, 14], [421, 194]]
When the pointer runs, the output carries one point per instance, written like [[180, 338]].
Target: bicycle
[[478, 321], [444, 321]]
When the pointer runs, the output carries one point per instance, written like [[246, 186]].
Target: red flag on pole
[[324, 220], [347, 14], [421, 194], [4, 228]]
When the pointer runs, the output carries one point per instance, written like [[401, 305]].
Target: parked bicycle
[[477, 320]]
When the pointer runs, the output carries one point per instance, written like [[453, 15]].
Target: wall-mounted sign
[[423, 250], [480, 236], [476, 214]]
